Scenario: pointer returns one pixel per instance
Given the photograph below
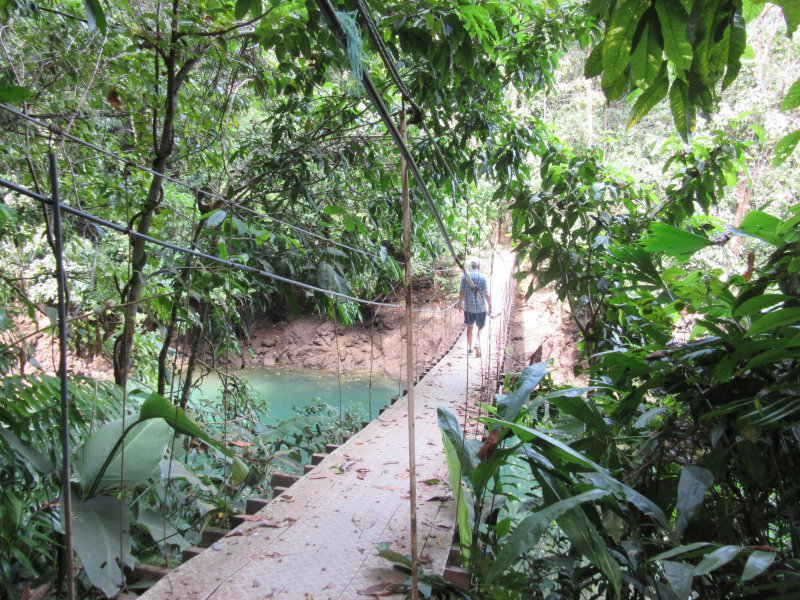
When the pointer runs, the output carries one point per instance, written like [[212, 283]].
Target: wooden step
[[190, 552], [255, 504], [143, 572], [317, 458], [211, 535], [330, 447], [282, 480], [277, 491], [308, 468], [458, 576], [235, 520]]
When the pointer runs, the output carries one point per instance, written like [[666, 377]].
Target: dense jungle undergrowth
[[644, 154]]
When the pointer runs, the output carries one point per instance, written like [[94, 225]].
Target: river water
[[286, 390]]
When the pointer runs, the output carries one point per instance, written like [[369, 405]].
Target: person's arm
[[461, 294], [488, 302]]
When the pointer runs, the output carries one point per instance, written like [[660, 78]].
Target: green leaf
[[758, 562], [791, 12], [100, 531], [685, 549], [160, 529], [95, 15], [564, 452], [646, 57], [14, 93], [736, 47], [134, 460], [580, 530], [619, 36], [650, 97], [763, 226], [35, 461], [508, 406], [757, 303], [594, 63], [716, 559], [679, 576], [451, 429], [673, 241], [158, 407], [673, 19], [773, 320], [785, 147], [692, 488], [461, 490], [572, 403], [242, 8], [527, 534], [332, 209], [215, 217], [792, 98]]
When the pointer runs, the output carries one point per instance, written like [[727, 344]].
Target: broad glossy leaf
[[791, 12], [762, 225], [35, 461], [654, 94], [773, 320], [100, 531], [95, 16], [161, 530], [673, 19], [683, 111], [736, 47], [755, 304], [509, 406], [463, 495], [692, 488], [580, 530], [527, 534], [758, 562], [673, 241], [594, 63], [680, 577], [716, 559], [619, 36], [604, 481], [686, 549], [158, 407], [790, 101], [134, 461], [216, 217], [646, 57], [785, 147]]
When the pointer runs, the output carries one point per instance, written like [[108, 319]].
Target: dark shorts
[[475, 318]]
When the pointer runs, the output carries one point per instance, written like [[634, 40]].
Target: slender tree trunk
[[132, 293]]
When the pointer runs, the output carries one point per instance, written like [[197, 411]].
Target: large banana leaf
[[133, 461], [100, 533]]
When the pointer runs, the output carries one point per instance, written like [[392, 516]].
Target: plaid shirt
[[474, 300]]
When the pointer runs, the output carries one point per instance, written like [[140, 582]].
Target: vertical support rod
[[66, 494], [412, 450]]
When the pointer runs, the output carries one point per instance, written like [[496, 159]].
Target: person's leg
[[480, 321], [469, 321]]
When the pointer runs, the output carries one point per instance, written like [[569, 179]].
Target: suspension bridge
[[318, 539]]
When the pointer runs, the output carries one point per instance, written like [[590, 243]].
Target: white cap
[[474, 262]]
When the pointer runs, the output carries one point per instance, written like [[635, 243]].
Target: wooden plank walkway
[[317, 541]]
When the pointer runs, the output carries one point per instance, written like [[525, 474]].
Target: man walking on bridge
[[474, 296]]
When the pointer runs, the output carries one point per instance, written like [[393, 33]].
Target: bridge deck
[[317, 541]]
